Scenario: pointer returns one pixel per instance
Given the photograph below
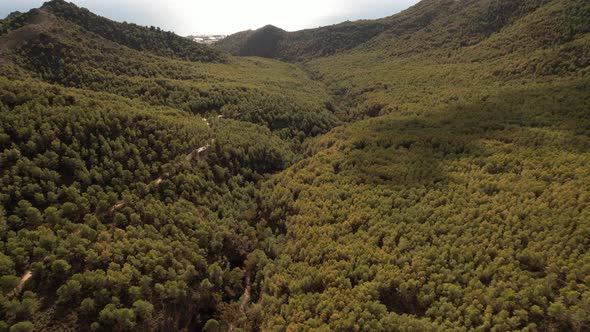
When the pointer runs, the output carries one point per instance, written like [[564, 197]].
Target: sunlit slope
[[458, 199], [475, 216], [429, 25], [390, 75]]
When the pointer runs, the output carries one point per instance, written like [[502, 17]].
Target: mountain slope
[[394, 73], [125, 193], [471, 215], [292, 46], [152, 40], [433, 176], [262, 42], [431, 24], [462, 203], [117, 225], [58, 50]]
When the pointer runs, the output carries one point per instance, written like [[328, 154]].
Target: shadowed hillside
[[66, 45], [262, 42]]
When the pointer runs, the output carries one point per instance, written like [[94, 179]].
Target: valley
[[427, 171]]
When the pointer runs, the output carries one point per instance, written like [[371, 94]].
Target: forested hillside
[[428, 171], [463, 204], [429, 25], [473, 215], [129, 165], [117, 224], [51, 46], [133, 36]]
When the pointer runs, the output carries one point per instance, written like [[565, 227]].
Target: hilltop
[[151, 39], [442, 206]]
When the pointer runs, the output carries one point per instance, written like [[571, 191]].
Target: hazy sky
[[228, 16]]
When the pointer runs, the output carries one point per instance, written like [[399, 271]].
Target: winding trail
[[28, 275], [246, 295], [245, 298], [196, 154]]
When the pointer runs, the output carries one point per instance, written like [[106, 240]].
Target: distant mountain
[[274, 42], [263, 42], [428, 171], [431, 24], [64, 44]]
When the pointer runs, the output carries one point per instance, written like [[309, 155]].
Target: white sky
[[228, 16]]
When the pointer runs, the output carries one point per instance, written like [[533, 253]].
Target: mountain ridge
[[434, 24], [133, 36], [111, 65]]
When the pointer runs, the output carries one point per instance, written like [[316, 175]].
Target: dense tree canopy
[[152, 40], [86, 214], [69, 53], [423, 172], [468, 219]]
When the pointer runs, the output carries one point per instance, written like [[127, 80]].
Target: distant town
[[207, 39]]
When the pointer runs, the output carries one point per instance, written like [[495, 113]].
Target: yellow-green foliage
[[266, 92], [456, 197], [83, 212], [461, 204], [472, 216]]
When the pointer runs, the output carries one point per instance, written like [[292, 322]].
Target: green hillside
[[471, 215], [428, 171], [429, 25], [462, 204], [263, 42], [57, 50], [117, 225], [129, 170], [454, 208]]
